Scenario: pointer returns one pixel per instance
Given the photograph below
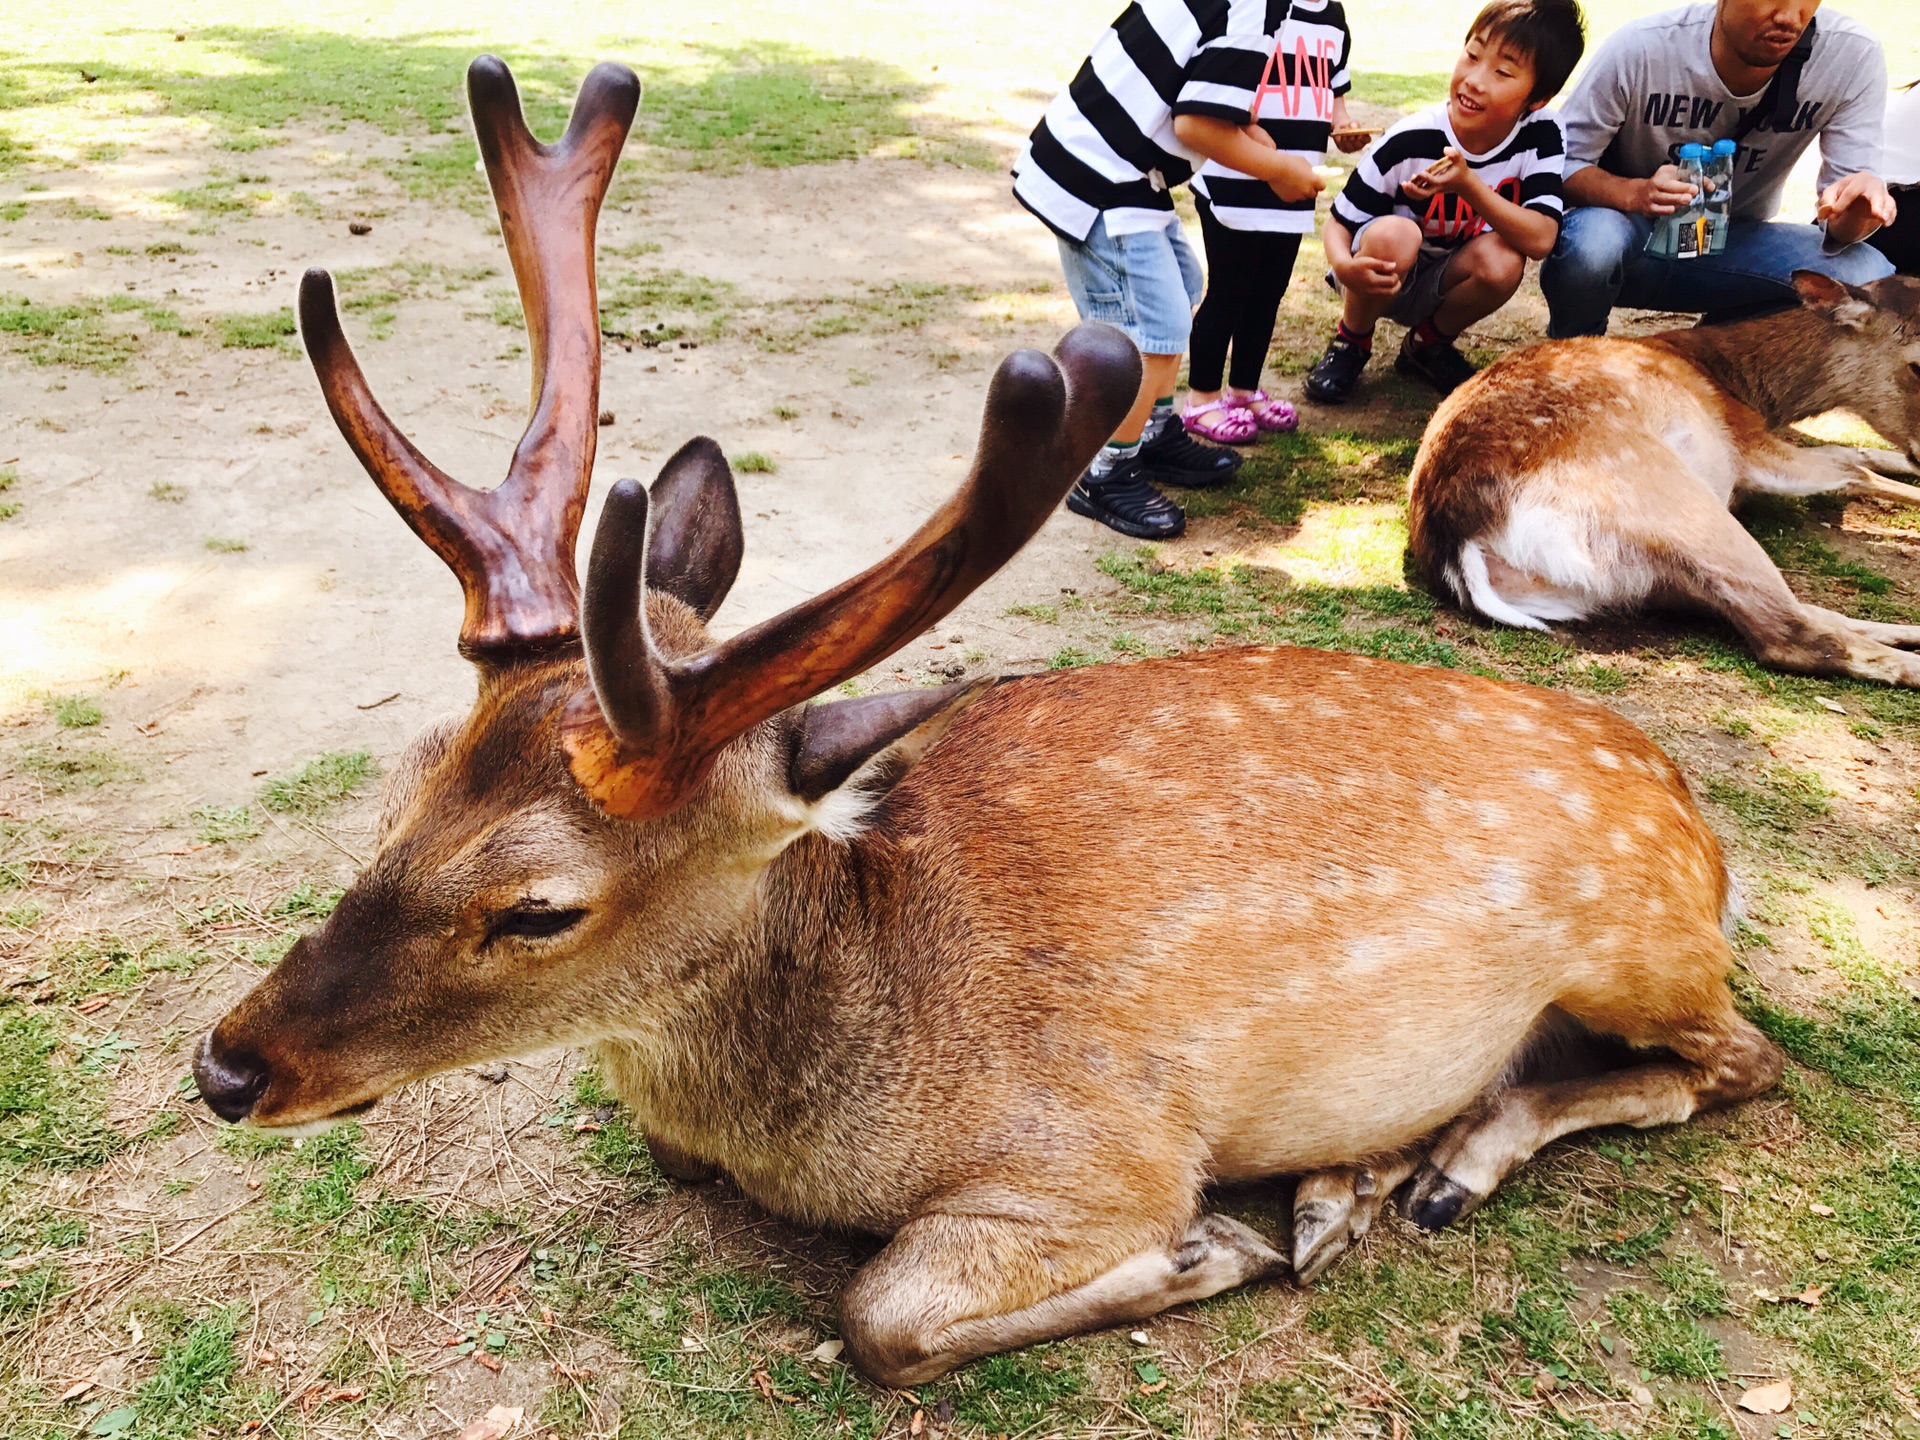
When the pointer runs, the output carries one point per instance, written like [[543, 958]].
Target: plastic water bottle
[[1720, 194], [1678, 236]]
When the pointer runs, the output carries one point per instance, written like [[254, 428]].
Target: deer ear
[[1845, 305], [847, 754], [694, 550]]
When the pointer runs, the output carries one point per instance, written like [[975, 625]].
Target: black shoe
[[1173, 457], [1123, 500], [1441, 366], [1335, 373]]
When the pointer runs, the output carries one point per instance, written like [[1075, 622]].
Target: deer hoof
[[1332, 1211], [1435, 1199], [1223, 1248]]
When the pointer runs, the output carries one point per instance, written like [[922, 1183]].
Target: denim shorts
[[1146, 283]]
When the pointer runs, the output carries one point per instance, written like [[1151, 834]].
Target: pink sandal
[[1268, 413], [1231, 423]]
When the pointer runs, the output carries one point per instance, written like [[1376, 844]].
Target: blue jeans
[[1602, 261], [1146, 283]]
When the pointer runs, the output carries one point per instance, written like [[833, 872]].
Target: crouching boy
[[1437, 222]]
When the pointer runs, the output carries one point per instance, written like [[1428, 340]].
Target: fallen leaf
[[76, 1390], [1837, 708], [93, 1003], [353, 1392], [266, 1357], [1156, 1387], [9, 1284], [572, 1372], [487, 1360], [1767, 1399], [827, 1350], [587, 1125], [917, 1423], [763, 1382], [496, 1422], [688, 1342], [1810, 1297], [1825, 1212]]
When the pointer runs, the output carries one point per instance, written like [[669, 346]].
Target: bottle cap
[[1724, 147], [1691, 151]]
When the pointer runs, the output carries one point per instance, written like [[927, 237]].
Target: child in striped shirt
[[1252, 234], [1436, 224]]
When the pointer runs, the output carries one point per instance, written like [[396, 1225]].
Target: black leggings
[[1247, 273], [1900, 241]]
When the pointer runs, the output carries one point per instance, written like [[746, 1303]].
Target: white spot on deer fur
[[1365, 952], [1226, 714], [1543, 779], [1522, 723], [1587, 883], [1576, 804], [1620, 841], [1505, 885], [1490, 814], [1606, 759]]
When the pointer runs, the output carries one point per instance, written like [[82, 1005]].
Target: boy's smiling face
[[1491, 91]]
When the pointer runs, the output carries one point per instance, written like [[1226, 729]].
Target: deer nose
[[230, 1084]]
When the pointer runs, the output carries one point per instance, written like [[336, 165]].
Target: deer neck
[[769, 1055], [1780, 365]]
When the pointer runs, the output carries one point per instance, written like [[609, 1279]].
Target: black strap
[[1781, 98]]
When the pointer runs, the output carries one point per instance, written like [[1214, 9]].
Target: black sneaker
[[1173, 457], [1123, 500], [1335, 373], [1441, 366]]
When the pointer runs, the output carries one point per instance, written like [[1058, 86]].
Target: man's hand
[[1367, 274], [1662, 193], [1853, 207], [1449, 175], [1295, 180]]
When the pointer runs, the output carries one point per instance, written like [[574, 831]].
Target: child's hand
[[1367, 275], [1293, 179], [1449, 175], [1347, 144]]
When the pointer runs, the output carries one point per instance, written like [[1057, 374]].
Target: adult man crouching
[[1760, 72]]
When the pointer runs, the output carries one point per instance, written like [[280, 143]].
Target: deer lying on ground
[[1585, 476], [865, 956]]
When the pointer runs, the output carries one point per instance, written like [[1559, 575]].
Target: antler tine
[[654, 741], [549, 197], [441, 511]]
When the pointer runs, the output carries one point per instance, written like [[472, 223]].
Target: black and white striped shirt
[[1309, 68], [1106, 146], [1525, 168]]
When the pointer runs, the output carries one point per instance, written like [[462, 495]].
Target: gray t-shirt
[[1652, 88]]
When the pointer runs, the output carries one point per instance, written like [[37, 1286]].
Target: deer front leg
[[952, 1287], [1334, 1209], [1774, 466], [1869, 486], [1886, 462]]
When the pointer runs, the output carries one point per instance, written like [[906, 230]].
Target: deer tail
[[1467, 578]]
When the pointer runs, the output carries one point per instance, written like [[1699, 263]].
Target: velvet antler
[[653, 727], [512, 547]]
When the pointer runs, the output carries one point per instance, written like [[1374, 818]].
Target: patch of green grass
[[167, 492], [1779, 523], [1787, 798], [224, 825], [74, 334], [225, 545], [615, 1148], [269, 330], [52, 1105], [75, 712], [1696, 1286], [316, 1185], [307, 902], [1664, 1338], [1286, 473], [1070, 657], [754, 462], [69, 763], [322, 782], [195, 1386]]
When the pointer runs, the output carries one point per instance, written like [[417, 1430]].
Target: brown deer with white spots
[[1009, 972], [1583, 477]]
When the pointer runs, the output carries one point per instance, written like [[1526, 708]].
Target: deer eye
[[534, 922], [1913, 368]]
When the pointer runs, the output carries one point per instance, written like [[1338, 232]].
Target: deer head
[[1873, 350], [591, 834]]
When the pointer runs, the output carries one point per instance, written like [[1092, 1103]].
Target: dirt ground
[[196, 554]]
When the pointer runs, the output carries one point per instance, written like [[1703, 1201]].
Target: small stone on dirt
[[606, 417], [359, 227], [493, 1074]]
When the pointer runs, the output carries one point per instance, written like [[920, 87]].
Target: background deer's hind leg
[[1706, 556], [950, 1288], [1717, 1059], [1773, 466]]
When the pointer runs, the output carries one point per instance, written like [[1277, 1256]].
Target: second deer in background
[[1589, 476]]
